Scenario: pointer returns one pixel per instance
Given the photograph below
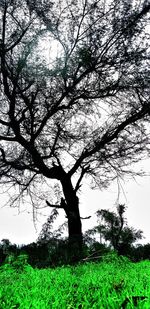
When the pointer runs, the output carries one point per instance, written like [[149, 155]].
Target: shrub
[[18, 264]]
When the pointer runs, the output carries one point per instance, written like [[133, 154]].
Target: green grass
[[106, 284]]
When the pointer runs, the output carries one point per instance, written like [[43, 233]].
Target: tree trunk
[[75, 239], [70, 204], [75, 231]]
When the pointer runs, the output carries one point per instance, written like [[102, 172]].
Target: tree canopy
[[81, 111]]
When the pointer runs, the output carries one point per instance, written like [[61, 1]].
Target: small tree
[[115, 229], [6, 245]]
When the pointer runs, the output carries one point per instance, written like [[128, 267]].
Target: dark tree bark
[[70, 204], [71, 208], [74, 228]]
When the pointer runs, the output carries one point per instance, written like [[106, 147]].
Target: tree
[[84, 113], [6, 245], [7, 249], [115, 229]]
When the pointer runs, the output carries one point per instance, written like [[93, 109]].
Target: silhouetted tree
[[6, 244], [115, 229], [46, 233], [6, 249], [82, 112]]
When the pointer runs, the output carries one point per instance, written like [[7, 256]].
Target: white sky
[[19, 229]]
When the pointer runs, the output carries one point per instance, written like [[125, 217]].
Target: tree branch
[[5, 123], [19, 39], [85, 217], [62, 204], [8, 138], [109, 136], [84, 170]]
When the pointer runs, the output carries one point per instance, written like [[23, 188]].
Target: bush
[[18, 264], [112, 257]]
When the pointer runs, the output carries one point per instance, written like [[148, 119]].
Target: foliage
[[113, 258], [7, 249], [46, 233], [140, 252], [115, 230], [17, 264]]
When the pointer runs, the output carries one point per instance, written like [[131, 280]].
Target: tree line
[[51, 250]]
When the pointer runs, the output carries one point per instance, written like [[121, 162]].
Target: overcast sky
[[19, 229]]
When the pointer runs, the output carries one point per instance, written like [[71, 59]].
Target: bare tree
[[83, 112]]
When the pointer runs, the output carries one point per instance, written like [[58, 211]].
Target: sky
[[19, 228]]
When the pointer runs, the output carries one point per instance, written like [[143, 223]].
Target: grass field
[[110, 283]]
